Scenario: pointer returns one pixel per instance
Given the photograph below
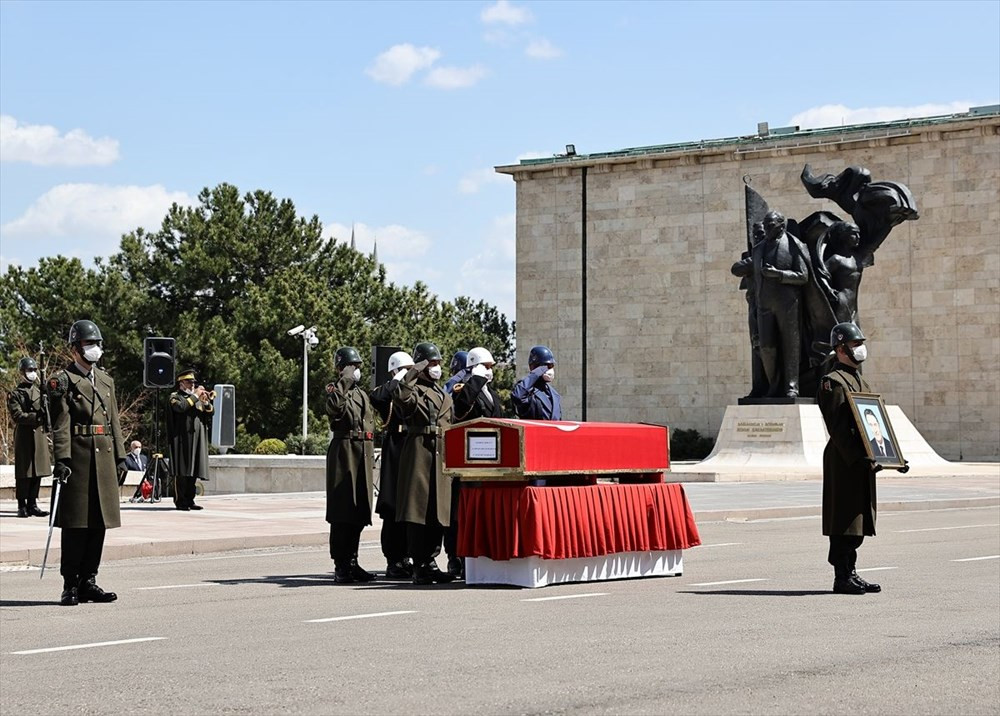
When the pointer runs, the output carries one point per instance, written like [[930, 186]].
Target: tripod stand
[[157, 472]]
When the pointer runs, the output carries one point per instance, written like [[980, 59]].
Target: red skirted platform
[[504, 522]]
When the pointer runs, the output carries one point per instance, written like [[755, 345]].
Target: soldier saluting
[[31, 449], [89, 452]]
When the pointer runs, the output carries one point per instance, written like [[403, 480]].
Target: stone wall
[[667, 338]]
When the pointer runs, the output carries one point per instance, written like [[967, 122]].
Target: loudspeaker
[[380, 363], [158, 366], [224, 417]]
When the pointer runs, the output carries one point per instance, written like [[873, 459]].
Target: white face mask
[[31, 376], [488, 375], [93, 353], [860, 353], [434, 372], [356, 374], [549, 375], [137, 452]]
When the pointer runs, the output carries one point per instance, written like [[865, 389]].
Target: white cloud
[[455, 77], [490, 274], [394, 241], [473, 181], [397, 65], [504, 13], [835, 115], [542, 49], [43, 144], [93, 214]]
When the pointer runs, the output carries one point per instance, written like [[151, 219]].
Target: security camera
[[297, 330], [313, 340]]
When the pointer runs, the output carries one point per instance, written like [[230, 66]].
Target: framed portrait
[[875, 429]]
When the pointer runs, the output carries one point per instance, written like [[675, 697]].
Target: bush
[[246, 442], [271, 446], [689, 445], [316, 444]]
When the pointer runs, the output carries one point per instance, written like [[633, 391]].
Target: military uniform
[[188, 428], [849, 499], [349, 462], [393, 534], [535, 399], [86, 437], [31, 448], [423, 497]]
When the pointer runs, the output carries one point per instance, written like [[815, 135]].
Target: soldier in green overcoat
[[849, 495], [349, 462], [423, 493], [189, 427], [31, 448], [89, 453]]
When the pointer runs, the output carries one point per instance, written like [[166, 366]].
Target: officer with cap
[[349, 462], [849, 500], [89, 453], [456, 370], [423, 498], [393, 536], [534, 397], [31, 449], [189, 423]]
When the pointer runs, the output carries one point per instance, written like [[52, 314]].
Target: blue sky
[[390, 116]]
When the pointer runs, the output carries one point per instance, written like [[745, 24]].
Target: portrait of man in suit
[[881, 445]]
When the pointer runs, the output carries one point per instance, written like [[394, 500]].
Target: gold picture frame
[[875, 429]]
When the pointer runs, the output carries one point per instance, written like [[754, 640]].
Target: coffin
[[526, 450]]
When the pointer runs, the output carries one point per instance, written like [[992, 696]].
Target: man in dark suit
[[89, 452], [533, 396], [135, 461], [881, 445]]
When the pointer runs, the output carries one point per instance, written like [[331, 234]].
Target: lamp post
[[309, 340]]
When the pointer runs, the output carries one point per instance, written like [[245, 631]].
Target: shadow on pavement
[[760, 592], [22, 603]]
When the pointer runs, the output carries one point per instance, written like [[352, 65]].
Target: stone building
[[655, 328]]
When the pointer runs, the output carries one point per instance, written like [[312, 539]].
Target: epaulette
[[58, 384]]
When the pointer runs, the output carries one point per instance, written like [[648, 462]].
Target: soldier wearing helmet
[[31, 449], [349, 462], [534, 397], [849, 497], [393, 536], [89, 451], [456, 370], [423, 499]]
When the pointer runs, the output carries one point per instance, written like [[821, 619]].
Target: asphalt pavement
[[751, 627]]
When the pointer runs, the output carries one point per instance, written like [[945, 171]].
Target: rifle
[[60, 472]]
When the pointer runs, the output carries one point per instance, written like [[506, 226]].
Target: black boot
[[90, 592], [70, 597], [429, 572], [22, 508], [342, 574], [867, 586], [399, 570], [843, 583], [359, 573], [35, 512], [456, 567]]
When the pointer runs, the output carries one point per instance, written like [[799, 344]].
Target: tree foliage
[[227, 278]]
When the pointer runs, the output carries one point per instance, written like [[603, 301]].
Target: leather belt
[[353, 435], [91, 430]]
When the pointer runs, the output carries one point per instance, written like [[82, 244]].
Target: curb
[[769, 513]]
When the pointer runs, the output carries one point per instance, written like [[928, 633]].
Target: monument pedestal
[[785, 441]]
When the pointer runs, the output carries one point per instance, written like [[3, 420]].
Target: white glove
[[480, 370], [400, 374]]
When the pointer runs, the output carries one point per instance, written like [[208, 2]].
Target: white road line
[[176, 586], [721, 544], [729, 581], [875, 569], [976, 559], [355, 616], [89, 646], [936, 529], [18, 568], [567, 596], [240, 556]]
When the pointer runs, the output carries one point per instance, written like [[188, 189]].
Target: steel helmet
[[845, 333], [26, 364], [346, 356], [477, 356], [84, 331], [426, 351], [400, 359], [540, 355], [458, 361]]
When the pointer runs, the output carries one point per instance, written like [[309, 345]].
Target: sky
[[389, 118]]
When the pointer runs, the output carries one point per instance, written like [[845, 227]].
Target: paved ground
[[750, 627], [274, 520]]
